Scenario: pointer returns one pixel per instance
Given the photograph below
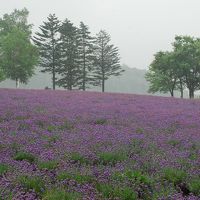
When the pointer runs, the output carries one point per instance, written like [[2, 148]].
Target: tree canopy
[[106, 59], [176, 69], [18, 56]]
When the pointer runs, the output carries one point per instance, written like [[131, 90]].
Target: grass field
[[57, 145]]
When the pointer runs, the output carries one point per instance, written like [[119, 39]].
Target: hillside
[[132, 81], [88, 145]]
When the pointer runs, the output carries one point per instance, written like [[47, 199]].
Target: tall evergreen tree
[[70, 47], [48, 40], [106, 60], [86, 50]]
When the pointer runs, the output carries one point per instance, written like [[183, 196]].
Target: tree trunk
[[172, 93], [17, 83], [181, 88], [182, 93], [191, 93], [70, 87], [103, 85], [84, 77], [54, 79], [84, 70]]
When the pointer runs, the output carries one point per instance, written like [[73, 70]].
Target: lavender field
[[57, 145]]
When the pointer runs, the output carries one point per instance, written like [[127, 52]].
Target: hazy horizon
[[139, 28]]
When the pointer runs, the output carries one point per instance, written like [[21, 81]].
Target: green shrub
[[111, 157], [135, 176], [51, 164], [194, 186], [34, 183], [77, 177], [77, 157], [66, 126], [15, 147], [127, 193], [123, 193], [3, 169], [139, 177], [139, 130], [100, 121], [24, 156], [51, 128], [163, 193], [60, 194], [105, 189], [23, 126], [174, 143], [174, 176]]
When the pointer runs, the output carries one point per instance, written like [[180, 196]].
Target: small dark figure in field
[[47, 88]]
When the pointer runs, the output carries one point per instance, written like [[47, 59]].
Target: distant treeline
[[75, 58]]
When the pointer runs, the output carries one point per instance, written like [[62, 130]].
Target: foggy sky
[[139, 28]]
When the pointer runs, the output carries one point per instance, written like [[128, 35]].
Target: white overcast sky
[[139, 28]]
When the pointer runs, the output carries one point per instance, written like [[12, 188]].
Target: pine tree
[[70, 45], [86, 51], [106, 60], [48, 42]]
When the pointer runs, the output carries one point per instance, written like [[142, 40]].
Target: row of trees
[[73, 57], [177, 69]]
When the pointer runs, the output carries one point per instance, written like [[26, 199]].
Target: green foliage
[[174, 143], [177, 69], [161, 74], [9, 196], [86, 56], [53, 139], [194, 186], [51, 164], [69, 69], [47, 41], [100, 121], [34, 183], [60, 194], [140, 130], [2, 75], [162, 193], [109, 191], [112, 158], [51, 128], [134, 176], [106, 60], [18, 57], [75, 176], [17, 19], [187, 51], [3, 169], [77, 157], [67, 125], [24, 156], [174, 176]]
